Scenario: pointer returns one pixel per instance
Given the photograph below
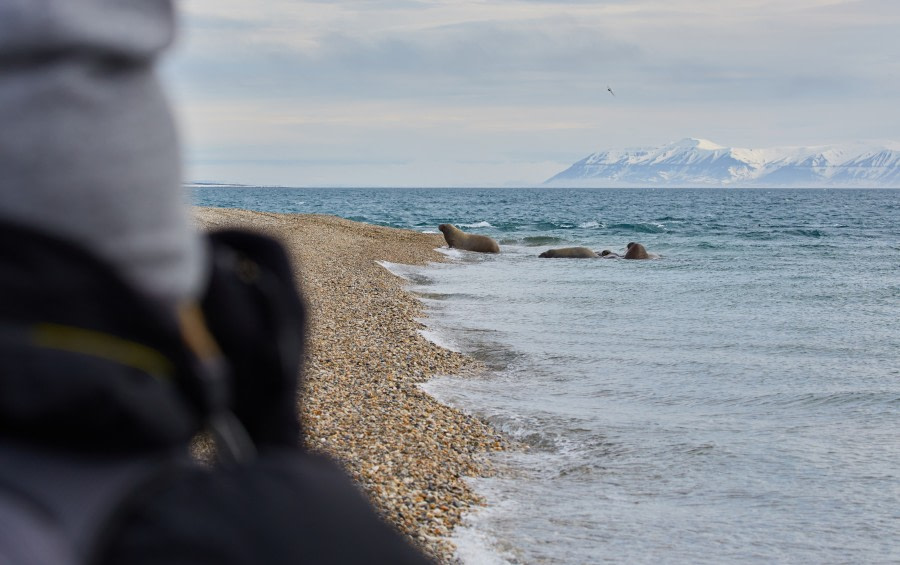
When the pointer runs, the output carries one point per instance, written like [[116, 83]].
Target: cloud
[[458, 59], [417, 82], [446, 51]]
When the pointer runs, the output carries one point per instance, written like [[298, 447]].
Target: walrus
[[569, 253], [459, 239], [637, 251], [607, 254]]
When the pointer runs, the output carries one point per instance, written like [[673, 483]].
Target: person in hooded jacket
[[124, 333]]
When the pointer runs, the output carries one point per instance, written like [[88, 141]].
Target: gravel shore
[[361, 403]]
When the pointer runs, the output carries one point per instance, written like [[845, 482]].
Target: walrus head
[[451, 233], [636, 251]]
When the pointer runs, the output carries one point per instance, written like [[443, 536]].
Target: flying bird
[[610, 90]]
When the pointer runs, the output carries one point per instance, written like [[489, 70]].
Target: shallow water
[[736, 401]]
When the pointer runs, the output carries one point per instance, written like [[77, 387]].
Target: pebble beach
[[361, 403]]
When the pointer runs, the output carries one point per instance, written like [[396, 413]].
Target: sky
[[510, 92]]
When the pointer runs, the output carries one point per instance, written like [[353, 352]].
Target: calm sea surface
[[737, 401]]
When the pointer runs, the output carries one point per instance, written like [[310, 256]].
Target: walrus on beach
[[569, 253], [459, 239], [637, 251]]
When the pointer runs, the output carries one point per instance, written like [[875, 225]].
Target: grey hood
[[88, 147]]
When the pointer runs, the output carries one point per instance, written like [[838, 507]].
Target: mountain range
[[699, 162]]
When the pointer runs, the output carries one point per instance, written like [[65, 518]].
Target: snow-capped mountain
[[698, 162]]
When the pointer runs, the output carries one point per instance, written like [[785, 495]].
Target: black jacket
[[92, 369]]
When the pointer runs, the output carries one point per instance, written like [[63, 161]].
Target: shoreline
[[361, 404]]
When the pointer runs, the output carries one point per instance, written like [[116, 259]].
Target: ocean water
[[737, 401]]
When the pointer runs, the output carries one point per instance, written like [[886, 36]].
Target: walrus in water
[[637, 251], [607, 254], [459, 239], [569, 253]]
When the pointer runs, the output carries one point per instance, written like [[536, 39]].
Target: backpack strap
[[55, 507]]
